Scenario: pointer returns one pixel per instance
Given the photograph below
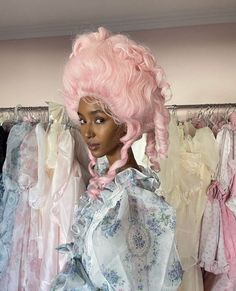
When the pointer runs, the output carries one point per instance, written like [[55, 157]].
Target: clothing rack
[[182, 110], [37, 113], [187, 111], [197, 106], [171, 106], [23, 108]]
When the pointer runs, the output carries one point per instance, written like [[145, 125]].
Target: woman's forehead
[[90, 104]]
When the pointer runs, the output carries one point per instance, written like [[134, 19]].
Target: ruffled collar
[[144, 178], [135, 177]]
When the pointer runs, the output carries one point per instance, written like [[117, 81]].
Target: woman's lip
[[93, 147]]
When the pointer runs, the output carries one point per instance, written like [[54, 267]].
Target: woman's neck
[[131, 162]]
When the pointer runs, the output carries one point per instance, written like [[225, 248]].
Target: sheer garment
[[124, 240], [24, 263], [65, 189], [185, 176], [12, 191]]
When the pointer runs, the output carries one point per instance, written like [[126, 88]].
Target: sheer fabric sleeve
[[131, 244]]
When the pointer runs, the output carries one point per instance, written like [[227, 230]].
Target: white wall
[[200, 63], [31, 70]]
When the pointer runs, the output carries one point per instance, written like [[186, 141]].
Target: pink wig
[[126, 78]]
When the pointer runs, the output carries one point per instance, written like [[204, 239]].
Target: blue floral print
[[112, 277], [12, 191], [125, 238], [175, 271]]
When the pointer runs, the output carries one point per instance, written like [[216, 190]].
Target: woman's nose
[[89, 132]]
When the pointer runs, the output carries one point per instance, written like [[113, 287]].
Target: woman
[[123, 230]]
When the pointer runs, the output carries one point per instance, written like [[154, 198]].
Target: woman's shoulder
[[143, 178], [141, 186]]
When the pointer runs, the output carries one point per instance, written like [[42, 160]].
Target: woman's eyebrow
[[97, 111], [92, 112]]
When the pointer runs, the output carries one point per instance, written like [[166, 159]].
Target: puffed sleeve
[[131, 242]]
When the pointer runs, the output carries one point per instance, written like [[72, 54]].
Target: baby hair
[[125, 77]]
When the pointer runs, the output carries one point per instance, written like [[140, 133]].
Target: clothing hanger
[[198, 120], [9, 118], [17, 113], [232, 119]]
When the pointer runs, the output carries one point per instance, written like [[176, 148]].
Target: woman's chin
[[96, 155]]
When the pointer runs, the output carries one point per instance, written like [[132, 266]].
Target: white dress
[[185, 176], [66, 186]]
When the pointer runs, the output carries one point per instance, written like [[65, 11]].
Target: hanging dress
[[219, 257], [65, 189], [185, 176], [12, 191], [24, 264], [231, 202], [224, 179], [212, 247]]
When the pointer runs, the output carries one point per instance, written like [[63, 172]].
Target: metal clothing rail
[[32, 108], [40, 113], [181, 110], [185, 112], [172, 106], [51, 113], [199, 106]]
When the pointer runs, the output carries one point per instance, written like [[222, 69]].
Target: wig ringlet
[[125, 77]]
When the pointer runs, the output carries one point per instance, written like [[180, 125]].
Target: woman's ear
[[124, 128]]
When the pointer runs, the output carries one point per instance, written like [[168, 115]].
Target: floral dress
[[124, 240], [23, 267], [12, 192]]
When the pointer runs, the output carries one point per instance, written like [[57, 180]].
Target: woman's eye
[[99, 120], [81, 121]]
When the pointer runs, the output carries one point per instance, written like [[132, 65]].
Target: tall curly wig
[[125, 77]]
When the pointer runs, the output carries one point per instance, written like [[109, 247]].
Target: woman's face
[[100, 132]]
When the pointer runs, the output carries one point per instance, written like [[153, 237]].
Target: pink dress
[[225, 281], [211, 249], [231, 202], [213, 252], [223, 186]]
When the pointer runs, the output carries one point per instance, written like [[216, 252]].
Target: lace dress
[[125, 240]]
